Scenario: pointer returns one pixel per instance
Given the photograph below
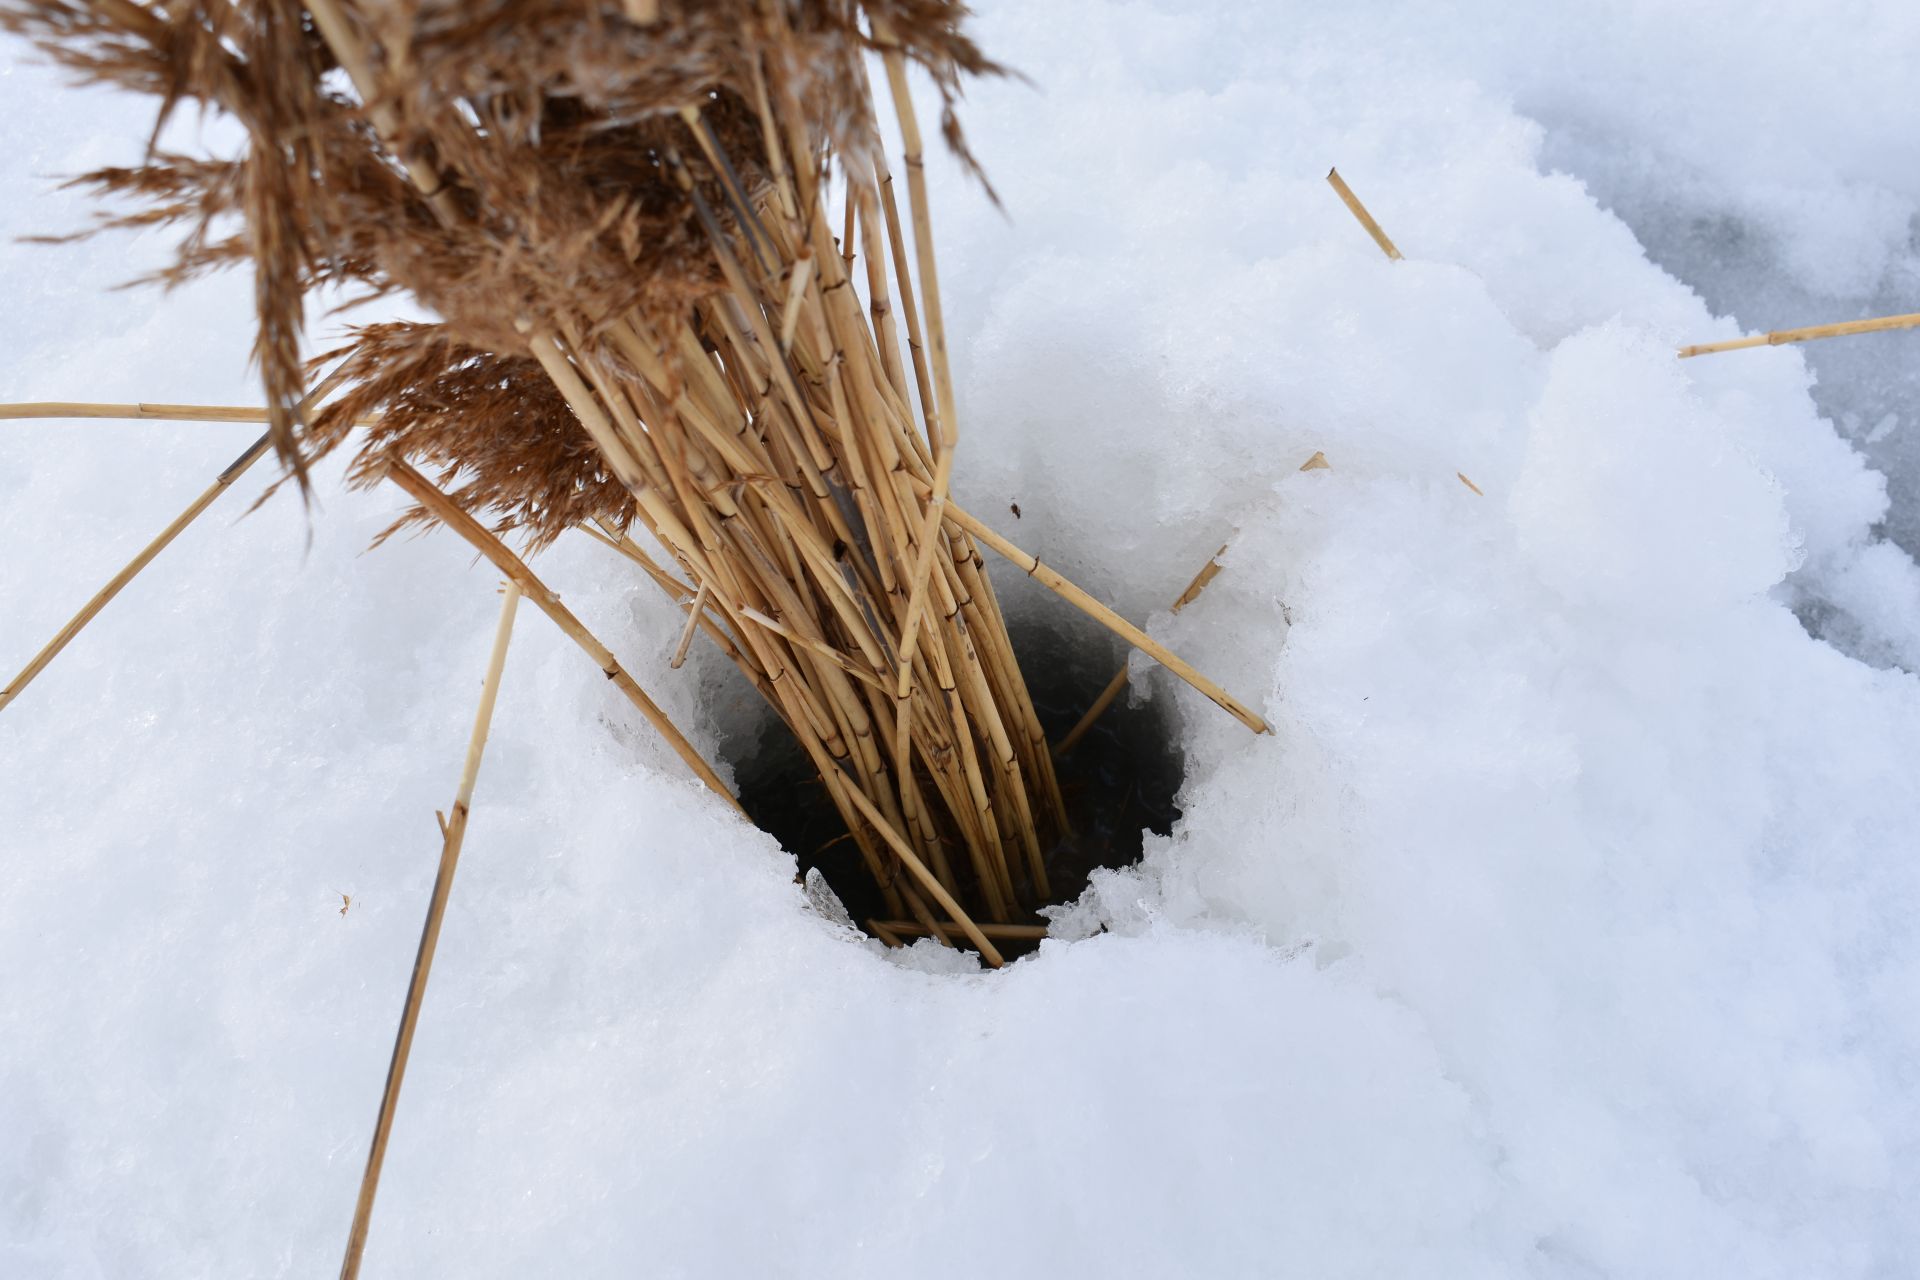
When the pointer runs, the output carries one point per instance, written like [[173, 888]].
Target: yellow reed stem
[[1359, 211]]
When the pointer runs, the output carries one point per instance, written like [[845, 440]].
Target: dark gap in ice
[[1119, 782]]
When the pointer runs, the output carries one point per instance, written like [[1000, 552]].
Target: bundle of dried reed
[[625, 215]]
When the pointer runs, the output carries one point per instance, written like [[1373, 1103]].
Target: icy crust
[[1563, 927]]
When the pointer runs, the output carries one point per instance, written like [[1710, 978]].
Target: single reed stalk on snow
[[453, 835], [118, 582], [1359, 211], [53, 409], [104, 596], [1809, 334], [1207, 574]]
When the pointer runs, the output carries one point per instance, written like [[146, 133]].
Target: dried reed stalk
[[1133, 635], [51, 409], [453, 834], [104, 596], [1809, 334], [1207, 574], [1359, 211], [625, 214]]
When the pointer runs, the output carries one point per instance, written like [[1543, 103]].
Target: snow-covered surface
[[1566, 926]]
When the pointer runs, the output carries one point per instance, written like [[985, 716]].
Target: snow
[[1565, 926]]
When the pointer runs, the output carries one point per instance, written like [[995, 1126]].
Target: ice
[[1564, 925], [1756, 196]]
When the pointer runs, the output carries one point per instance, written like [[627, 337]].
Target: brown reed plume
[[624, 216]]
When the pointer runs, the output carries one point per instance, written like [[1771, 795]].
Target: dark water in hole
[[1118, 782]]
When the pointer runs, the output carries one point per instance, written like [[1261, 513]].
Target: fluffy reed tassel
[[625, 219]]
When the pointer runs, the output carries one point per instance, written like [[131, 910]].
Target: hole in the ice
[[1119, 782]]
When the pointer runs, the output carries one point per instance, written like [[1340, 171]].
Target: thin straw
[[104, 596], [1360, 211], [454, 834], [1207, 574], [1055, 582], [694, 614], [115, 584], [143, 411], [1809, 334]]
